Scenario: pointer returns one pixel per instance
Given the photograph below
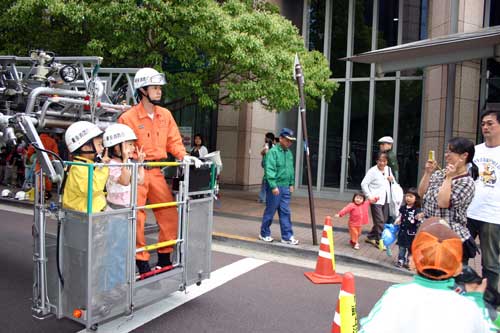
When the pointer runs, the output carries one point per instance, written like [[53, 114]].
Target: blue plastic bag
[[389, 236]]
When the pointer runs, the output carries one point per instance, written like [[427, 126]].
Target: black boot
[[143, 266], [164, 260]]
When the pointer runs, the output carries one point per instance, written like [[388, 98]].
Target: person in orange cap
[[157, 134], [429, 302]]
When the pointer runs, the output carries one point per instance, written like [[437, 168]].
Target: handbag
[[396, 200]]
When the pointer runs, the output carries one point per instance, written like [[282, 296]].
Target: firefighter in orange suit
[[49, 144], [157, 133]]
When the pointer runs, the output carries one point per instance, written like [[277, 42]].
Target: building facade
[[408, 105]]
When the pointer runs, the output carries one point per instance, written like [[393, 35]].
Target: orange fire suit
[[48, 144], [157, 136]]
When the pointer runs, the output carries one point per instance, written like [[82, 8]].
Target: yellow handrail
[[159, 205], [156, 246]]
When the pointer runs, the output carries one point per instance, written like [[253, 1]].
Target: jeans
[[403, 254], [280, 203], [489, 238], [262, 193]]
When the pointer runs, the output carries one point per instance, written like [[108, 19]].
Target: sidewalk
[[237, 218], [238, 214]]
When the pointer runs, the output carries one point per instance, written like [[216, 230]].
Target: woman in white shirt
[[376, 184], [199, 150]]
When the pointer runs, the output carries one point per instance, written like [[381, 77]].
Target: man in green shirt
[[279, 178], [385, 144]]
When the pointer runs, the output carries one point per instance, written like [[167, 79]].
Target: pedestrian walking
[[409, 220], [358, 216], [376, 183], [483, 215], [448, 193], [280, 180]]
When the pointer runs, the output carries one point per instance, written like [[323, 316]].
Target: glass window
[[201, 121], [410, 109], [494, 12], [340, 16], [384, 112], [316, 25], [414, 26], [358, 127], [493, 81], [387, 34], [387, 23], [333, 156], [313, 120], [362, 34], [493, 67]]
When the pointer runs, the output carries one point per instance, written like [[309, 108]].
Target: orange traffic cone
[[345, 319], [325, 266]]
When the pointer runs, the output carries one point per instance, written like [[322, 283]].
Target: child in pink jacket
[[358, 216]]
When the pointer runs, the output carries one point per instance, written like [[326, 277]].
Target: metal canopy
[[484, 43]]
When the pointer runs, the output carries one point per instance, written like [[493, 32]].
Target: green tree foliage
[[213, 52]]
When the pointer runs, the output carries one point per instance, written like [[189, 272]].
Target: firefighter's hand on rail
[[191, 159]]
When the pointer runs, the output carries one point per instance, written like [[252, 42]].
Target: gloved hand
[[191, 159]]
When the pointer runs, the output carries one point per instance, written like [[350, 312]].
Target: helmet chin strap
[[152, 101]]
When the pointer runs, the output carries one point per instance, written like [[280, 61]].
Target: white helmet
[[21, 195], [148, 77], [6, 193], [117, 133], [79, 133]]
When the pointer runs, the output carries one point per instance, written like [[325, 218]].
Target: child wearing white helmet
[[119, 141], [84, 141]]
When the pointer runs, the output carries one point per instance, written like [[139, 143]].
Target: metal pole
[[302, 110]]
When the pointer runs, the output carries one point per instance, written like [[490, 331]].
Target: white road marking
[[308, 264], [146, 314]]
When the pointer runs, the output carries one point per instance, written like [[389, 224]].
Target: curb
[[304, 251]]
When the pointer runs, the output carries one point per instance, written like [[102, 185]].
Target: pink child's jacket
[[358, 214]]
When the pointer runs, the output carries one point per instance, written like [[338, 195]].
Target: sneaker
[[143, 266], [381, 245], [399, 264], [268, 239], [372, 242], [291, 241], [356, 246]]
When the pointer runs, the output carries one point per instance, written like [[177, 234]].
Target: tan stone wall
[[240, 137], [467, 77]]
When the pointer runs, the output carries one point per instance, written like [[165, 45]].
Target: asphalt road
[[269, 297]]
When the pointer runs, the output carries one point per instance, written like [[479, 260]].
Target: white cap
[[386, 139]]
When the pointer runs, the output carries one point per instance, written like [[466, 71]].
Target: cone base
[[323, 279]]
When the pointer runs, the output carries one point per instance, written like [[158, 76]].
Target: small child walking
[[409, 220], [358, 216]]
